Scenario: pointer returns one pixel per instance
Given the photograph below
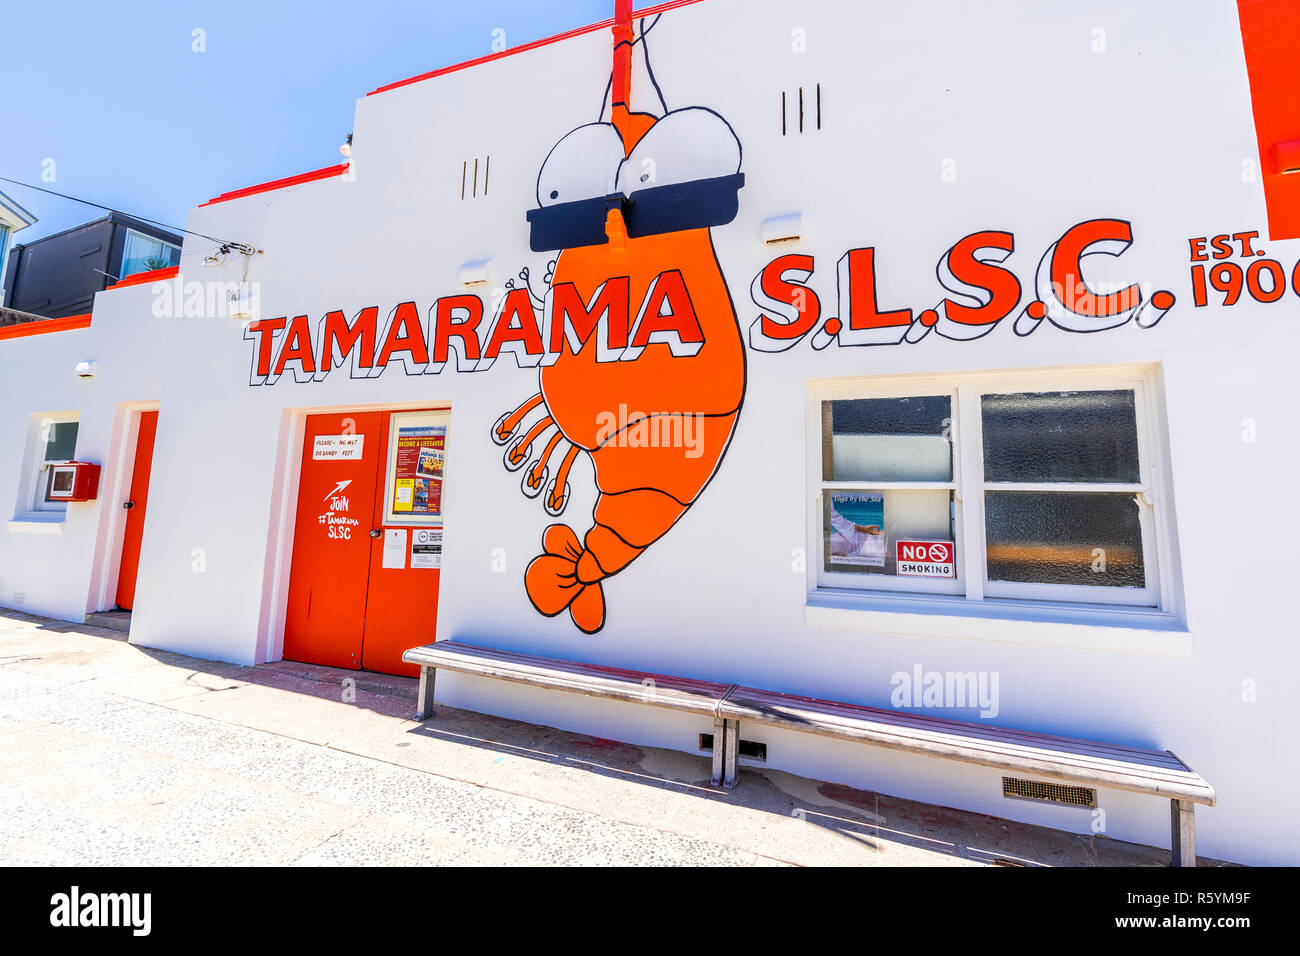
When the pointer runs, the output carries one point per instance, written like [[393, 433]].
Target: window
[[56, 443], [4, 248], [1037, 487], [143, 253], [417, 458], [885, 456]]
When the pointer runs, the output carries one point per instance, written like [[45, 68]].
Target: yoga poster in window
[[858, 529], [418, 470]]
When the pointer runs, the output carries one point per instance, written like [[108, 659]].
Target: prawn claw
[[530, 489], [497, 435], [561, 502], [510, 460]]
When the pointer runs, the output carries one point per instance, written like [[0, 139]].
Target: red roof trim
[[24, 329], [339, 170], [579, 31], [298, 180], [140, 278]]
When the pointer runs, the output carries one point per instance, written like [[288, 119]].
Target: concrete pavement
[[112, 754]]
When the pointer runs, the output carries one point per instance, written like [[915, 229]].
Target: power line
[[152, 222]]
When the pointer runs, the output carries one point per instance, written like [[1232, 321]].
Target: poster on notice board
[[858, 529], [421, 459]]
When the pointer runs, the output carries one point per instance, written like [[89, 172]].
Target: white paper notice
[[395, 548], [426, 548], [337, 447]]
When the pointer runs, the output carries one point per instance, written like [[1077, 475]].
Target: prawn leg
[[505, 427]]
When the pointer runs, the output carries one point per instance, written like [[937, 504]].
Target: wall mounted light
[[242, 302], [86, 369], [788, 228], [1286, 157], [475, 273]]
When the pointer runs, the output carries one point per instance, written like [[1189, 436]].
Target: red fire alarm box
[[74, 481]]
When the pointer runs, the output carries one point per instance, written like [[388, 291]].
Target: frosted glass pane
[[861, 529], [1060, 436], [1054, 538], [887, 439]]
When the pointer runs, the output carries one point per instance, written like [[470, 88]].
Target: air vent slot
[[753, 750], [1044, 792], [474, 174], [801, 109], [746, 748]]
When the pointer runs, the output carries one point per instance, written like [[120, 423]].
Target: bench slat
[[790, 705], [592, 680], [777, 700], [1065, 758]]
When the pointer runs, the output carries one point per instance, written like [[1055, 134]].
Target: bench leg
[[424, 706], [731, 757], [719, 746], [1182, 820]]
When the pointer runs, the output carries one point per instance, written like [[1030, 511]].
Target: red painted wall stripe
[[298, 180], [579, 31], [1270, 32], [140, 278], [24, 329]]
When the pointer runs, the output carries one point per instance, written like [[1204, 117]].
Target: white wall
[[1044, 133]]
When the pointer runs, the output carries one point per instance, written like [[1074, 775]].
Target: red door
[[135, 505], [346, 608], [331, 539], [403, 605]]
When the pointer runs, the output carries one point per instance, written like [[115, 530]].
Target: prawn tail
[[566, 575], [569, 572]]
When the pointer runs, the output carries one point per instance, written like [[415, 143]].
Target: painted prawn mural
[[629, 202]]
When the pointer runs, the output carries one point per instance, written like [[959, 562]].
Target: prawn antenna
[[539, 301]]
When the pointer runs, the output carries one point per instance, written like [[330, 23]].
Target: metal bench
[[1066, 759], [612, 683], [1060, 759]]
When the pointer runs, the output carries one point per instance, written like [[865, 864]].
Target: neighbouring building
[[13, 217], [852, 344], [57, 276]]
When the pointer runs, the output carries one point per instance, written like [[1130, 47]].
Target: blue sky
[[133, 118]]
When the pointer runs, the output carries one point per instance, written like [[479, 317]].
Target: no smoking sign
[[927, 559]]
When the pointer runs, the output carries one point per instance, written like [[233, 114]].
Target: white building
[[1015, 280]]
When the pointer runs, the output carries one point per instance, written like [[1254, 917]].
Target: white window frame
[[122, 274], [36, 468], [433, 418], [883, 582], [977, 595]]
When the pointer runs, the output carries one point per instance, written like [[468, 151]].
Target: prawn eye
[[582, 165], [686, 145]]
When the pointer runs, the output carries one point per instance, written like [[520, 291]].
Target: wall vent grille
[[1049, 792]]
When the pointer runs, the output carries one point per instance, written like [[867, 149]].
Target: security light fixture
[[788, 228]]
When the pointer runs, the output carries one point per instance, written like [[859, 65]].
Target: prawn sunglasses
[[683, 173]]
